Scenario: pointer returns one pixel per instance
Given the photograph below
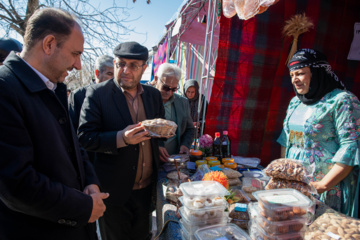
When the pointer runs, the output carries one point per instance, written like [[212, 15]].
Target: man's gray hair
[[169, 70], [102, 62]]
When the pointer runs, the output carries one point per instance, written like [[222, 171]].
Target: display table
[[166, 211]]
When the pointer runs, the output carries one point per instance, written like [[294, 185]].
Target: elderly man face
[[106, 74], [167, 86]]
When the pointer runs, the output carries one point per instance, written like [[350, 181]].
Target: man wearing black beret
[[127, 159]]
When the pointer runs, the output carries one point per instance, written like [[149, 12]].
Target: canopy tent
[[184, 42], [252, 87]]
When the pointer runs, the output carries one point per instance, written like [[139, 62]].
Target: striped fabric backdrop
[[252, 88], [189, 57], [160, 56]]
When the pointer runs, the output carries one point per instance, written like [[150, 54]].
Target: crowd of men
[[68, 162]]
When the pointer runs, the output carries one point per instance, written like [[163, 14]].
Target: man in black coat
[[126, 158], [104, 70], [48, 190]]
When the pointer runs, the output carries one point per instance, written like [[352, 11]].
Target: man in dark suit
[[177, 109], [104, 70], [48, 190], [126, 158]]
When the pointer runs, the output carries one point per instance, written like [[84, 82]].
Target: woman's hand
[[319, 187], [337, 173]]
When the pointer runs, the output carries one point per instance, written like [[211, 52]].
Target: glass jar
[[195, 155]]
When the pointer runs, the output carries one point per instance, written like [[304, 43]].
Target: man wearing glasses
[[126, 158], [177, 109]]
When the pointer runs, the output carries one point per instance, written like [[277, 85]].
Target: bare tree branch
[[103, 27]]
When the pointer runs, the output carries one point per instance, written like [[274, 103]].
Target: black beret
[[131, 50], [10, 44]]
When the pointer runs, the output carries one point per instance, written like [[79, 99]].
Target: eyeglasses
[[132, 66], [166, 88]]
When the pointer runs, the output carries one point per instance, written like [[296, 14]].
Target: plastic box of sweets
[[256, 232], [197, 217], [204, 203], [282, 204], [276, 227], [203, 189], [250, 184], [221, 231], [192, 227], [240, 223]]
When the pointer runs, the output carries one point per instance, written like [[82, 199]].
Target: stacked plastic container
[[221, 232], [279, 214], [203, 205]]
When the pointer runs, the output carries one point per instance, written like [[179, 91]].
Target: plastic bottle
[[217, 146], [226, 145]]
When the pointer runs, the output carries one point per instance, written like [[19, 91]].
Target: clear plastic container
[[240, 196], [191, 227], [208, 203], [256, 232], [282, 204], [276, 227], [250, 185], [243, 224], [205, 217], [221, 231], [255, 174], [185, 234], [203, 189]]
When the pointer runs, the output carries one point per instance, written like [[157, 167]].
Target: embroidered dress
[[323, 134]]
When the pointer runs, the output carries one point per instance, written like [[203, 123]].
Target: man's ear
[[49, 44], [97, 72]]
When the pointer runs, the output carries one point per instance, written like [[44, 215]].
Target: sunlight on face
[[300, 78]]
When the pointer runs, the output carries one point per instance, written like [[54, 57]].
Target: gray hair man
[[104, 70], [177, 109]]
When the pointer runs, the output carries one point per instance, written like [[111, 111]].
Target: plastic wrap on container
[[228, 8], [289, 169]]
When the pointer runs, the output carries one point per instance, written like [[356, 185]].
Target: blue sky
[[149, 23], [153, 18]]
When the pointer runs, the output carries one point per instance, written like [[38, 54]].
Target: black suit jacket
[[42, 172], [76, 99], [103, 114]]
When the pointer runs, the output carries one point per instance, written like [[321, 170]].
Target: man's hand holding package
[[134, 134]]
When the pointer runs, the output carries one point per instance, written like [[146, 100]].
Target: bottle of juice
[[217, 146], [226, 145]]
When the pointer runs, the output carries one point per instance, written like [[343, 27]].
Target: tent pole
[[209, 61], [206, 61]]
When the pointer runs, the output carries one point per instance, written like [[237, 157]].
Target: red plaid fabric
[[252, 87]]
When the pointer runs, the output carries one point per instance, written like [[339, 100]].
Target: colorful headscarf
[[323, 79], [194, 102]]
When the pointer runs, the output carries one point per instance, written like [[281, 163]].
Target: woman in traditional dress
[[321, 127]]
